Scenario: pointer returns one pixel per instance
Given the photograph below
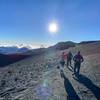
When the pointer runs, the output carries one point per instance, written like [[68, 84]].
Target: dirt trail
[[29, 80], [53, 87]]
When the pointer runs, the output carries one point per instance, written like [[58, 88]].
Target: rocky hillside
[[37, 77], [6, 59], [63, 45]]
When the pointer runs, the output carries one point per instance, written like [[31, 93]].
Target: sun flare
[[53, 28]]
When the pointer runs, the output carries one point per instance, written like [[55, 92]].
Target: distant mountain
[[36, 51], [63, 45], [8, 50], [58, 46], [68, 44], [13, 49], [29, 50], [87, 42], [23, 49]]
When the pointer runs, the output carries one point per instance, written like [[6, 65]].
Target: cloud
[[30, 46]]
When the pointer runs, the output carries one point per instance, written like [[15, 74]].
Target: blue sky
[[26, 21]]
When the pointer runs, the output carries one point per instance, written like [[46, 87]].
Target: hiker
[[78, 59], [62, 61], [69, 59]]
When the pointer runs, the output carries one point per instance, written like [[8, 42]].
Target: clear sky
[[26, 21]]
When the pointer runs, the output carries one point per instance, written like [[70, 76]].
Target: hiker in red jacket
[[78, 59], [63, 58], [62, 62]]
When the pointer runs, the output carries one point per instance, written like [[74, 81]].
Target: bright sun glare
[[53, 28]]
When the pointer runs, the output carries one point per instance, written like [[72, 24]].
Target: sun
[[53, 28]]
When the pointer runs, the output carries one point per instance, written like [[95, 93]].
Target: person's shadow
[[70, 68], [71, 94], [89, 84]]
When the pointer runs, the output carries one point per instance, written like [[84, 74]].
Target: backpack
[[78, 58]]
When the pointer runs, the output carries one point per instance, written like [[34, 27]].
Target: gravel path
[[28, 80]]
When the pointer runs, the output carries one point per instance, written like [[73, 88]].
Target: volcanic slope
[[37, 77]]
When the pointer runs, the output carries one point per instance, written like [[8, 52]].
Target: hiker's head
[[78, 53]]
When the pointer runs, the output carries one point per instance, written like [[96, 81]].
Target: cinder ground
[[37, 78]]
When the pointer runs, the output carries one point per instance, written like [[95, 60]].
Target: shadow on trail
[[71, 94], [70, 68], [89, 84]]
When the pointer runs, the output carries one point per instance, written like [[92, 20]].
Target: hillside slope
[[37, 77]]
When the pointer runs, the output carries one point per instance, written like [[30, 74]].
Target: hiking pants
[[77, 66]]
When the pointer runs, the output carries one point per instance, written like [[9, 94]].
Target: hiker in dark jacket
[[78, 59], [69, 59]]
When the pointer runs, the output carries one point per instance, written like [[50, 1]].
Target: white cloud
[[30, 46]]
